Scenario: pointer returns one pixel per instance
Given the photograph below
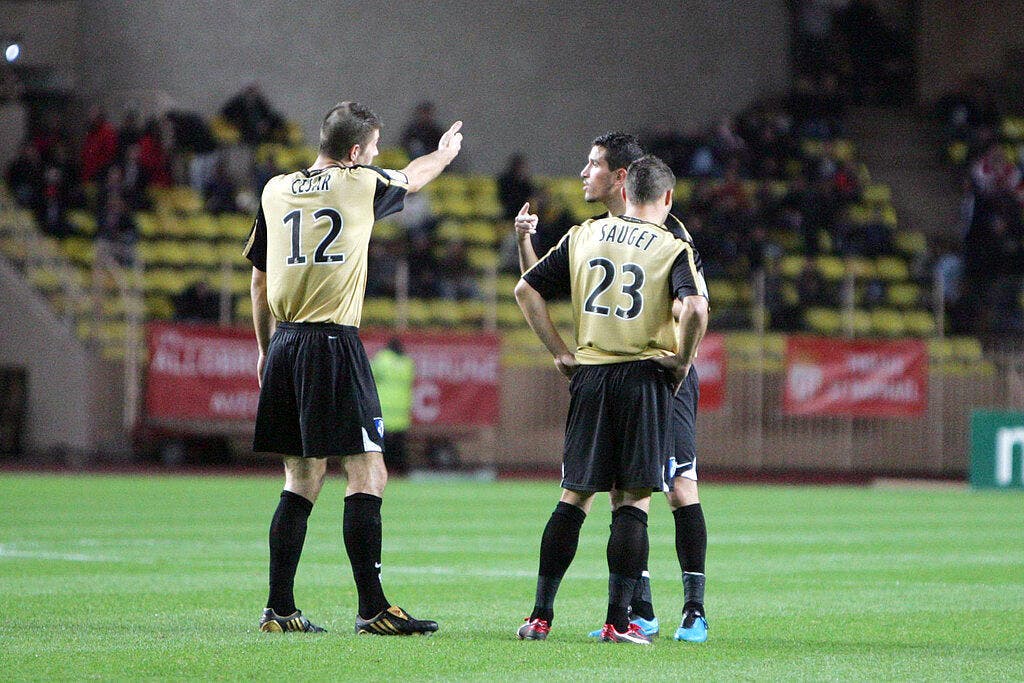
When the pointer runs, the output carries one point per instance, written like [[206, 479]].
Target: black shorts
[[617, 432], [318, 397], [683, 461]]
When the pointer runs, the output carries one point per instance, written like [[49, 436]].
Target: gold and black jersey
[[311, 234], [622, 274]]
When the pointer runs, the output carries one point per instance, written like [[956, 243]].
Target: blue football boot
[[649, 627], [694, 628]]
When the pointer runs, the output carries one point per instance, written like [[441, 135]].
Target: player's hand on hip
[[677, 369], [567, 364], [526, 222], [451, 141]]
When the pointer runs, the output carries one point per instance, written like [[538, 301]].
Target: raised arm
[[422, 170], [526, 225]]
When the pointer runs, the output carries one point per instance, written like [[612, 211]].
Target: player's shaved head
[[620, 149], [648, 179], [347, 124]]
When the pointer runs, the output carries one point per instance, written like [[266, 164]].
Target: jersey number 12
[[320, 255]]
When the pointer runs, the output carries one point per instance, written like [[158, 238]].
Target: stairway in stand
[[901, 150]]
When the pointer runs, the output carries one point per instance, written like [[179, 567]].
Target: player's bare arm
[[692, 314], [535, 310], [525, 225], [262, 319], [422, 170]]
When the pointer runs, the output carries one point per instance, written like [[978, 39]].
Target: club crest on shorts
[[378, 422]]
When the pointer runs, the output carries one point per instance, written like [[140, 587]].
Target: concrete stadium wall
[[63, 378], [962, 38], [539, 77]]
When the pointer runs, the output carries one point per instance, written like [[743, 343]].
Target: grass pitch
[[136, 577]]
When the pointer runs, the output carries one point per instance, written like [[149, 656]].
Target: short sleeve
[[550, 276], [389, 196], [686, 277], [256, 246]]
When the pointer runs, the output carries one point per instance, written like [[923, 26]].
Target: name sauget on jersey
[[631, 235], [317, 183]]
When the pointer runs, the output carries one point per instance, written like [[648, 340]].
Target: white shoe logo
[[376, 565]]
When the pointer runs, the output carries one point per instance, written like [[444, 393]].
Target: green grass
[[134, 577]]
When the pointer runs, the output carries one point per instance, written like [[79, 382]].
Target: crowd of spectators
[[983, 275]]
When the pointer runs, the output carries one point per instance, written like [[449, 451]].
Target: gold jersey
[[311, 234], [622, 274]]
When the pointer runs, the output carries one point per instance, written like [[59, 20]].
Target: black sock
[[626, 555], [642, 604], [287, 534], [691, 538], [362, 533], [557, 549]]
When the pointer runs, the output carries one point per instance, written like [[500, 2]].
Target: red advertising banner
[[207, 373], [860, 378], [201, 372], [711, 367], [456, 375]]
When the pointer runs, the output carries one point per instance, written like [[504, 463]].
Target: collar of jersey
[[639, 220], [314, 171]]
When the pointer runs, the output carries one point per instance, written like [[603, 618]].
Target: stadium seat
[[887, 322], [860, 267], [859, 321], [910, 242], [831, 268], [824, 321], [722, 293], [506, 285], [790, 266], [892, 268], [379, 311], [878, 194], [482, 258], [919, 323], [903, 294]]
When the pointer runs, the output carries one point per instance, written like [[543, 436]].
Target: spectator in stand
[[423, 132], [256, 121], [811, 289], [197, 303], [220, 190], [25, 176], [992, 173], [51, 212], [423, 268], [154, 155], [116, 233], [456, 276], [416, 217], [381, 268], [129, 133], [133, 182], [555, 221], [515, 187], [99, 149]]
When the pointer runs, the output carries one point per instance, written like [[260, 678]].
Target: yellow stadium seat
[[957, 152], [903, 295], [967, 349], [85, 221], [387, 230], [887, 322], [235, 226], [860, 267], [831, 268], [892, 268], [721, 293], [919, 323], [148, 223], [823, 321], [791, 265], [878, 194], [379, 311], [506, 285], [392, 157], [482, 258], [911, 242], [789, 294], [509, 314], [224, 132], [1013, 128], [859, 321]]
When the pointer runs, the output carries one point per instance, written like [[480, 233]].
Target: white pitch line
[[8, 552]]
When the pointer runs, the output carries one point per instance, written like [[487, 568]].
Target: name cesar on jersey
[[317, 183], [631, 235]]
